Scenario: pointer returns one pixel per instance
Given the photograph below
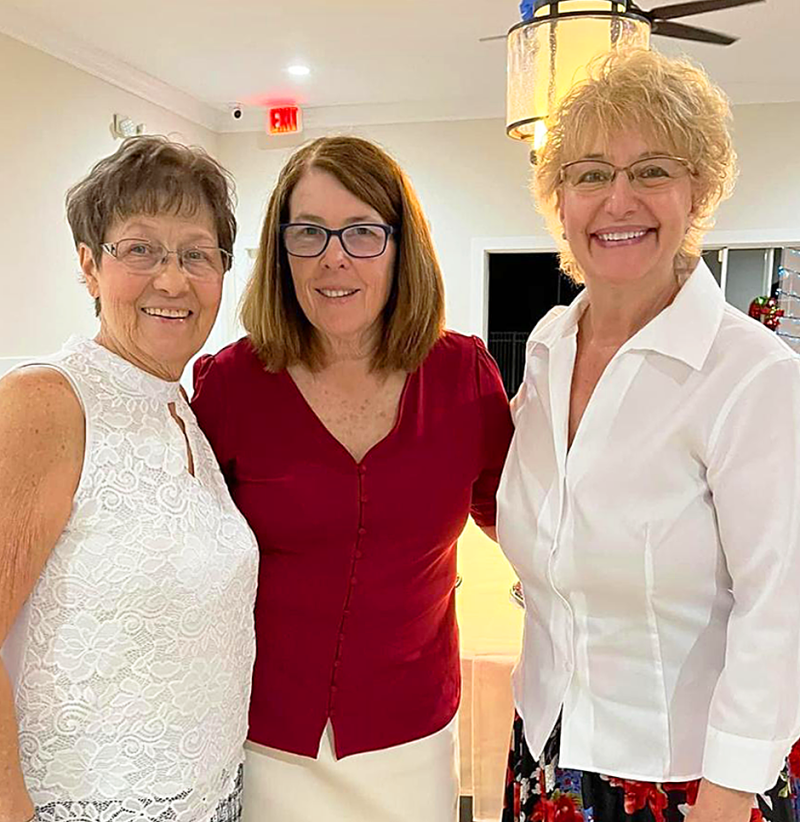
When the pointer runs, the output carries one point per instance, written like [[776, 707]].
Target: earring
[[563, 235]]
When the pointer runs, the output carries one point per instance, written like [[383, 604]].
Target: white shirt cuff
[[742, 763]]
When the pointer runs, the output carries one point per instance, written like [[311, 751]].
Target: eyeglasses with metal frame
[[145, 257], [648, 174], [360, 240]]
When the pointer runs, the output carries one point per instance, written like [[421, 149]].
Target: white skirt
[[413, 782]]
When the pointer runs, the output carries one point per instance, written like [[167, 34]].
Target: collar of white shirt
[[684, 330]]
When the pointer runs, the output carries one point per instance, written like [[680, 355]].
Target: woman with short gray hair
[[127, 575]]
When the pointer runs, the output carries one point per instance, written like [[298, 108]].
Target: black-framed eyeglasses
[[146, 257], [647, 174], [360, 240]]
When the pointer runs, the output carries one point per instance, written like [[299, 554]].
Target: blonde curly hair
[[671, 101]]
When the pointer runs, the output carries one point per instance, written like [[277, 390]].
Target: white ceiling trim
[[37, 33]]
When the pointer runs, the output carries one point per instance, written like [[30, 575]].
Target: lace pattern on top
[[132, 658], [229, 809]]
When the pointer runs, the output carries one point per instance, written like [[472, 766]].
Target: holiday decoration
[[765, 310]]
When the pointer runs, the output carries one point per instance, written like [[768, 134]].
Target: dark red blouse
[[355, 613]]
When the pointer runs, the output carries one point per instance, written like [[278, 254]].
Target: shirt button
[[334, 689], [364, 500], [362, 531], [354, 581], [359, 554], [362, 469], [337, 663]]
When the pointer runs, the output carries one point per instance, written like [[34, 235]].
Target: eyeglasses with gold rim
[[647, 174]]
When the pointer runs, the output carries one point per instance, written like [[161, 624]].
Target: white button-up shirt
[[660, 554]]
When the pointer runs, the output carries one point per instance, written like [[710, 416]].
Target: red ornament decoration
[[765, 310], [794, 761]]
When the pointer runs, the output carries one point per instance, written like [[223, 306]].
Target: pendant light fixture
[[549, 53]]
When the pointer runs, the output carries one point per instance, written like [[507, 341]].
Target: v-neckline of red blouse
[[325, 432]]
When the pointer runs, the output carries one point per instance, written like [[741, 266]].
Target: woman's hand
[[718, 804]]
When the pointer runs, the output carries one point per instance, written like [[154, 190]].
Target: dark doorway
[[522, 289]]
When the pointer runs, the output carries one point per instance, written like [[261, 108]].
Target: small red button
[[359, 554], [364, 500], [362, 531], [354, 581], [362, 469]]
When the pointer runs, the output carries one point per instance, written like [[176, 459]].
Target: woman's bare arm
[[41, 455]]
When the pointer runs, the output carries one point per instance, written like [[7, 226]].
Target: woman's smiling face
[[156, 321], [620, 234], [343, 297]]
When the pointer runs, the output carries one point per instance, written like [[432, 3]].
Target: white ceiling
[[371, 61]]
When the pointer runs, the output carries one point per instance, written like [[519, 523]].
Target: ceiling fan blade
[[684, 32], [695, 7], [489, 39]]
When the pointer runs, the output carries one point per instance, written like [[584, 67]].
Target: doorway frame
[[482, 247]]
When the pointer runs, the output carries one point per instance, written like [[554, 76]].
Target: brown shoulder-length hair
[[413, 318]]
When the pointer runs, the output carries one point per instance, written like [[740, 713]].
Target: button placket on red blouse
[[358, 553]]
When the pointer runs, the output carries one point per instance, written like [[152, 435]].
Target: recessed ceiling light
[[299, 71]]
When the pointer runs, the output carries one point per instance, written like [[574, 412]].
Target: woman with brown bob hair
[[357, 437], [652, 521], [413, 316]]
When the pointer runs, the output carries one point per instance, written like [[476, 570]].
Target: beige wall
[[55, 124], [767, 195]]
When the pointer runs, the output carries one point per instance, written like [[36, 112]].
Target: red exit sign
[[284, 120]]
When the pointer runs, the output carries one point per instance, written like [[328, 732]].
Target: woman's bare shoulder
[[40, 413]]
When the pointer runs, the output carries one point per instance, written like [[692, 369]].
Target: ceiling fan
[[661, 17]]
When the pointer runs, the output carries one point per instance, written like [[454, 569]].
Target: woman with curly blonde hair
[[648, 501]]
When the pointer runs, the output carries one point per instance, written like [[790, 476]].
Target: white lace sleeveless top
[[131, 661]]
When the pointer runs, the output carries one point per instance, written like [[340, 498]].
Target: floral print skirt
[[543, 792]]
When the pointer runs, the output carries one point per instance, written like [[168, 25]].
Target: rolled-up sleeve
[[754, 477]]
